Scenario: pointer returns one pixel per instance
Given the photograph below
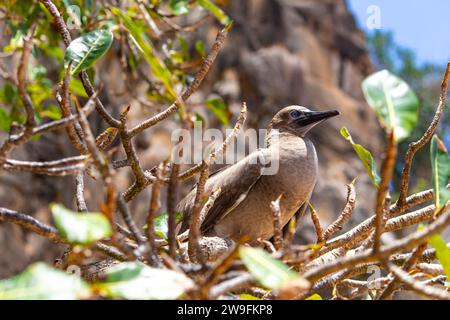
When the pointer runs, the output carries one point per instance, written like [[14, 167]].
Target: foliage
[[440, 165], [80, 228], [365, 156], [41, 282], [135, 280], [442, 252], [84, 51], [395, 104]]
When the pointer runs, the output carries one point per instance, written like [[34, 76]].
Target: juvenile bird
[[246, 190]]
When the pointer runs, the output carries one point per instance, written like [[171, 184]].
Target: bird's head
[[299, 120]]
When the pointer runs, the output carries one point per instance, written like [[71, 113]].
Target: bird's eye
[[295, 114]]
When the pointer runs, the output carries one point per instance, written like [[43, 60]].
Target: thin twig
[[387, 170], [22, 78], [172, 200], [28, 222], [153, 209], [416, 146], [196, 218], [316, 221], [345, 214]]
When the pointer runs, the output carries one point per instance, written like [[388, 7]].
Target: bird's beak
[[317, 116]]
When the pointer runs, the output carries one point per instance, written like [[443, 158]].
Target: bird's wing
[[234, 182]]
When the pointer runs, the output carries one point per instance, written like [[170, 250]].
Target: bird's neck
[[276, 136]]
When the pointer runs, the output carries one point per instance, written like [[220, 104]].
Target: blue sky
[[421, 25]]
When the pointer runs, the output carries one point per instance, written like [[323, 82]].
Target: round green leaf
[[135, 280], [84, 51], [80, 228], [395, 104], [41, 282]]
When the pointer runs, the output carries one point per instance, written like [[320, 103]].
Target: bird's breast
[[298, 166]]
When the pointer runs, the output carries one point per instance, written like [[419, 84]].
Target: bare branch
[[392, 284], [354, 235], [196, 218], [153, 209], [428, 291], [366, 256], [387, 169], [74, 132], [316, 221], [416, 146], [28, 222], [345, 214], [22, 77]]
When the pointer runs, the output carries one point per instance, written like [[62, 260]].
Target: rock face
[[309, 53], [279, 52]]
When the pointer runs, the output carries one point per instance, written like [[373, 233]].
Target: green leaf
[[162, 226], [41, 282], [200, 48], [52, 111], [80, 228], [5, 120], [394, 102], [315, 296], [219, 109], [84, 51], [179, 6], [269, 272], [440, 168], [76, 87], [215, 10], [135, 280], [365, 156], [442, 253], [158, 68]]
